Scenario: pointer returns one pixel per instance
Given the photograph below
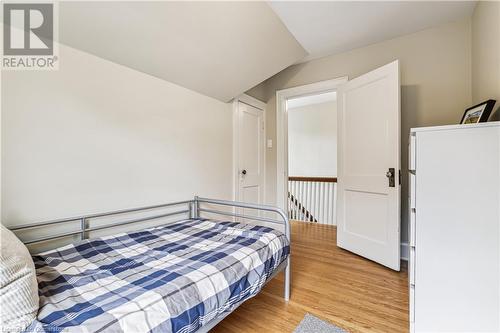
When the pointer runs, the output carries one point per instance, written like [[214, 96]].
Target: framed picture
[[478, 113]]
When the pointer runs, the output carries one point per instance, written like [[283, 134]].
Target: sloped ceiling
[[330, 27], [219, 49]]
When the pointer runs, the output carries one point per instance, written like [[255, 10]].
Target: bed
[[182, 276]]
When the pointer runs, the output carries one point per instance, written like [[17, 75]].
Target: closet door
[[250, 155]]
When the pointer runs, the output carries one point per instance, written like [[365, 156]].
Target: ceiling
[[220, 49], [325, 28], [311, 100]]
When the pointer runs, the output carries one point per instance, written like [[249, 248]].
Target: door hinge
[[399, 177]]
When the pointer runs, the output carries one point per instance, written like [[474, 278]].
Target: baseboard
[[405, 251]]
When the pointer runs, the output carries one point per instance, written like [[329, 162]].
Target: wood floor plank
[[330, 283]]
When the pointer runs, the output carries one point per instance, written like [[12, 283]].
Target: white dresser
[[454, 268]]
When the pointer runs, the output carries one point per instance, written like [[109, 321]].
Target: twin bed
[[182, 276]]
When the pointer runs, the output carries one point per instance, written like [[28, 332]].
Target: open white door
[[368, 216]]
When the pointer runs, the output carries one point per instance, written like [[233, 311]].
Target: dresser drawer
[[412, 153], [411, 266], [413, 192], [412, 304], [413, 227]]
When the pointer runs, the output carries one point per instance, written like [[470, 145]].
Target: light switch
[[269, 143]]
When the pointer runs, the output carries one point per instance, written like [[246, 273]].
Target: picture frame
[[478, 113]]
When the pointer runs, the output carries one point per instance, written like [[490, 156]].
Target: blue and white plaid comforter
[[174, 278]]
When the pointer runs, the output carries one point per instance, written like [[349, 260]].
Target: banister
[[313, 179]]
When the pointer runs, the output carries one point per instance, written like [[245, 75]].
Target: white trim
[[235, 149], [244, 98], [252, 101], [282, 128]]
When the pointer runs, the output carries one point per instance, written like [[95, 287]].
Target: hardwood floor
[[330, 283]]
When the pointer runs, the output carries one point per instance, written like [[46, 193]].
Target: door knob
[[244, 172], [390, 174]]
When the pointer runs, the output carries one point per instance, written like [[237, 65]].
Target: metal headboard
[[190, 208]]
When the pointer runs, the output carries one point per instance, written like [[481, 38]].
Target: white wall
[[312, 140], [96, 136]]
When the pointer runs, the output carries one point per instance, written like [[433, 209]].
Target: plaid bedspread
[[174, 278]]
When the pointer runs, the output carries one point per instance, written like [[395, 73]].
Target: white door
[[250, 154], [369, 164]]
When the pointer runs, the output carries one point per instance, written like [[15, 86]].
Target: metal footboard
[[196, 208]]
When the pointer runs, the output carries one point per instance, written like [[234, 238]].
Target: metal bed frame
[[192, 209]]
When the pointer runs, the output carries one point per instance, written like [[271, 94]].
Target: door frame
[[249, 100], [282, 129]]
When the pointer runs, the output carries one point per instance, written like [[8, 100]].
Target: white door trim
[[244, 98], [282, 128]]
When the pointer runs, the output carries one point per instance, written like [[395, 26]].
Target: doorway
[[284, 98], [312, 157], [369, 165]]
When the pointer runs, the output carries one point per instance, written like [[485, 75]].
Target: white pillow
[[18, 286]]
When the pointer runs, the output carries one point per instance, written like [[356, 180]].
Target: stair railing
[[312, 199]]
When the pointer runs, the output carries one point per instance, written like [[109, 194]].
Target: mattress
[[173, 278]]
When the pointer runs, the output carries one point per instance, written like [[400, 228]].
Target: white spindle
[[295, 198], [318, 202], [330, 199], [322, 202], [327, 197], [334, 199], [313, 201], [309, 198], [325, 205]]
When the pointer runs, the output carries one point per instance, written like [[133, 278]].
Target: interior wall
[[97, 136], [486, 53], [312, 140], [435, 75]]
